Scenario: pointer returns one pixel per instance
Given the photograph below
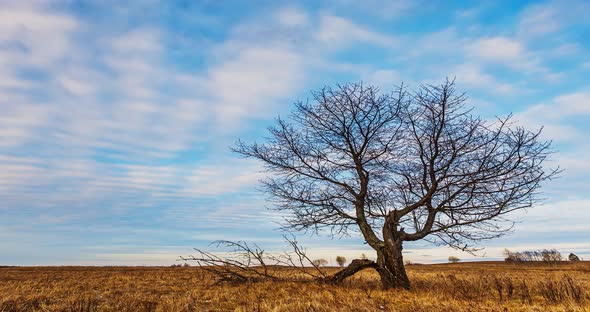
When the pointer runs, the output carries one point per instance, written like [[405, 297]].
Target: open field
[[446, 287]]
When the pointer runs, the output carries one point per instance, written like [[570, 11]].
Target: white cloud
[[66, 189], [77, 87], [336, 32], [386, 10], [292, 17], [8, 82], [113, 97], [42, 35], [137, 41], [497, 49], [248, 82], [565, 50], [220, 179], [568, 215], [574, 163], [258, 66], [19, 122], [468, 13], [551, 16], [505, 51], [471, 75], [553, 116], [443, 42], [116, 97], [384, 78], [573, 104], [136, 119], [538, 20]]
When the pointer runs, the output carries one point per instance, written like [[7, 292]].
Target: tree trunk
[[390, 265]]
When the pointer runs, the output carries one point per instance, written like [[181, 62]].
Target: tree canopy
[[400, 166]]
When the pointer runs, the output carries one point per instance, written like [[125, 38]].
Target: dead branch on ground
[[250, 263]]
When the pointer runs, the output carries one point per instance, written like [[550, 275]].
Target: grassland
[[448, 287]]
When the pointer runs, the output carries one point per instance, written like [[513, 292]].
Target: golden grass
[[449, 287]]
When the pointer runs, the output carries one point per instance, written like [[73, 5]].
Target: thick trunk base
[[390, 265], [393, 279], [392, 275]]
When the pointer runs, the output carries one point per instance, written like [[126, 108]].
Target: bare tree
[[399, 167]]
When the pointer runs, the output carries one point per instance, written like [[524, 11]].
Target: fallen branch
[[250, 263], [355, 266]]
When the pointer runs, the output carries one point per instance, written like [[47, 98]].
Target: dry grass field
[[445, 287]]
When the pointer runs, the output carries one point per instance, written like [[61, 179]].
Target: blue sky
[[116, 119]]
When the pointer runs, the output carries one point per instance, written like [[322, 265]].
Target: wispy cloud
[[472, 75], [336, 31], [555, 116], [550, 16]]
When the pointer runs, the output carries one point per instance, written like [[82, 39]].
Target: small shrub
[[320, 262], [84, 304], [504, 287], [469, 289], [573, 290], [525, 293], [499, 287], [573, 257], [558, 291], [453, 259]]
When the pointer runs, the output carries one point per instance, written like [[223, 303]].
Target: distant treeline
[[544, 255]]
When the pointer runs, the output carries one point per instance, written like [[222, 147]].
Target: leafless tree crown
[[399, 167], [415, 165]]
